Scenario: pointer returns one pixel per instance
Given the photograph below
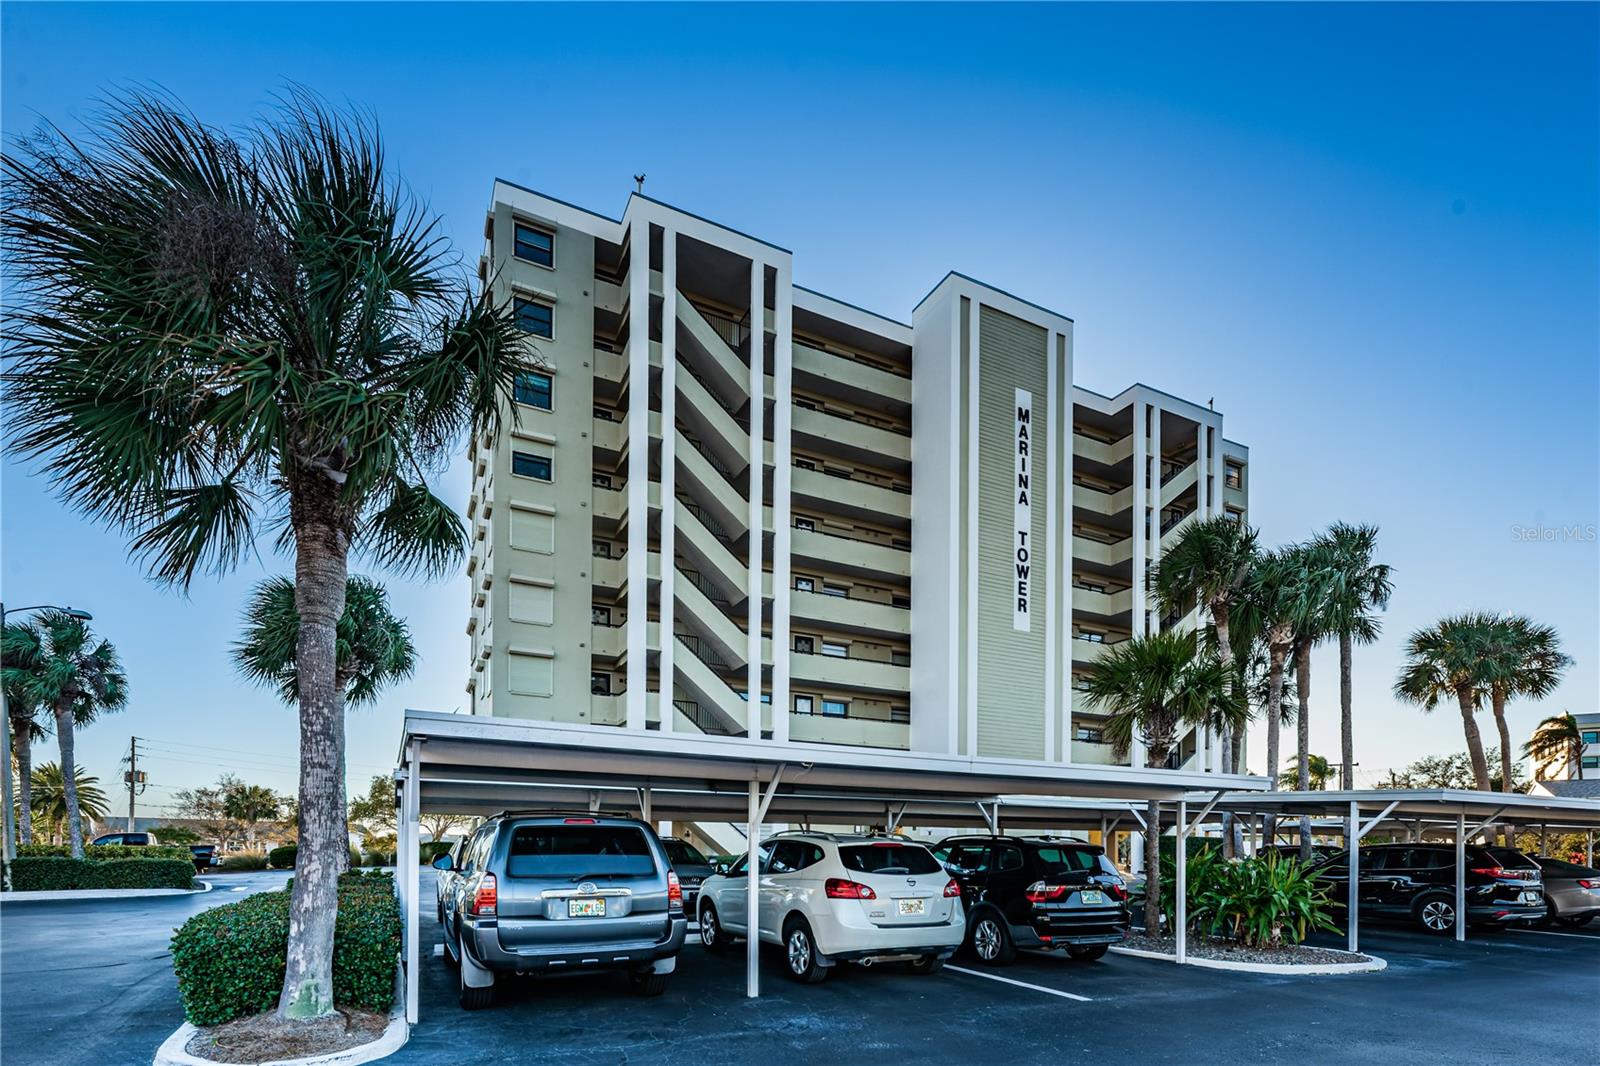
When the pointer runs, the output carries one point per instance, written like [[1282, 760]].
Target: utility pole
[[133, 776]]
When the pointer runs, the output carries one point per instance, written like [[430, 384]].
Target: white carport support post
[[411, 877], [1181, 889], [752, 883], [1352, 900], [1461, 877]]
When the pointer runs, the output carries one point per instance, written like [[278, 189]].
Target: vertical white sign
[[1022, 544]]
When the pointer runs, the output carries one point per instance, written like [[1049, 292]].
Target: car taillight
[[486, 897], [674, 892], [1117, 892], [1588, 884], [951, 888], [839, 888], [578, 821], [1039, 892], [1492, 871]]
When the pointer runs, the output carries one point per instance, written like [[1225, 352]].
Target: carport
[[1462, 813], [480, 766]]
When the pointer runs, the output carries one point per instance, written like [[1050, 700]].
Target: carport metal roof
[[453, 763], [1434, 805]]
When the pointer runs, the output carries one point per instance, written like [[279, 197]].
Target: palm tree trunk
[[1275, 653], [1347, 744], [343, 682], [1302, 684], [321, 568], [69, 777], [1469, 726], [1497, 701], [1231, 836], [22, 747], [1152, 865]]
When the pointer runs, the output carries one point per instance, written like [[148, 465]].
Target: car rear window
[[1065, 860], [889, 858], [1512, 859], [579, 851], [684, 854]]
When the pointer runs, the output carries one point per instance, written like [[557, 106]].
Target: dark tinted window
[[579, 851], [970, 858], [1065, 860], [537, 467], [887, 858], [536, 246], [1007, 857], [536, 389], [1557, 866], [533, 317], [787, 857], [1512, 859], [1430, 858], [686, 854]]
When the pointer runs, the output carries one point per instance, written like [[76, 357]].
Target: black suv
[[691, 867], [1418, 882], [1036, 892]]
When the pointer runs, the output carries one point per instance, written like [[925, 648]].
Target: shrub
[[230, 960], [283, 858], [108, 851], [60, 873], [429, 850], [248, 860], [378, 858], [1260, 902]]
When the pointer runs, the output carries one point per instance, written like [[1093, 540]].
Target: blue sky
[[1368, 231]]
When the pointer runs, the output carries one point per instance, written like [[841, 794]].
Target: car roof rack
[[546, 812]]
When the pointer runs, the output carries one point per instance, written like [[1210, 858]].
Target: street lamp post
[[5, 739]]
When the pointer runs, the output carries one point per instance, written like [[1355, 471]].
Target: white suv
[[828, 899]]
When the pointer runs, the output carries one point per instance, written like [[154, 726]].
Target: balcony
[[1085, 652], [1105, 604], [850, 616], [1107, 503], [856, 442], [846, 555], [1090, 550], [612, 574], [859, 499], [1099, 452], [861, 674], [843, 372], [861, 732]]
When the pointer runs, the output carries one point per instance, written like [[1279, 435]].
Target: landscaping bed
[[263, 1038], [62, 873], [1232, 951]]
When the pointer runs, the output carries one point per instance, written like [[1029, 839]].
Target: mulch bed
[[1230, 951], [264, 1038]]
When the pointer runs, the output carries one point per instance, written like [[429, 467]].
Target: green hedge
[[59, 873], [283, 858], [429, 850], [377, 858], [247, 860], [230, 960], [108, 851]]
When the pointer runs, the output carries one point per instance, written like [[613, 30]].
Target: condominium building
[[732, 505]]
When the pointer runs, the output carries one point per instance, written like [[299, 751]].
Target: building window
[[802, 705], [805, 464], [601, 481], [805, 523], [841, 591], [900, 658], [1089, 735], [534, 317], [902, 602], [1591, 762], [835, 708], [605, 414], [805, 645], [538, 467], [805, 584], [535, 389], [600, 615], [766, 697], [1591, 736], [835, 650], [602, 549], [599, 684], [533, 245], [901, 715], [1233, 475], [1091, 636]]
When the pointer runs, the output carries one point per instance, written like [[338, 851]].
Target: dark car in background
[[204, 855], [1417, 882], [691, 867], [1046, 893], [540, 893], [1571, 892]]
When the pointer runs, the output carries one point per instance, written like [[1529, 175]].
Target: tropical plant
[[1524, 659], [22, 713], [56, 798], [1151, 688], [1448, 660], [1451, 771], [1358, 588], [1263, 902], [250, 805], [1558, 741], [1321, 772], [217, 332], [1209, 562], [55, 661]]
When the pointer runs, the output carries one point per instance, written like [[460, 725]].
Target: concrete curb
[[105, 893], [174, 1050], [1322, 970]]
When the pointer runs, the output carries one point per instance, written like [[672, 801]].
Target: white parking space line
[[1552, 932], [438, 951], [1020, 984]]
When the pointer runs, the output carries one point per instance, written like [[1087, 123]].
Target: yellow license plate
[[1091, 897], [911, 907], [586, 908]]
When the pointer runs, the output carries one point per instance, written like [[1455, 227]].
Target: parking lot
[[91, 982]]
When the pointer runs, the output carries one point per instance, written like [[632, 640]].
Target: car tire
[[712, 936], [991, 941], [469, 997], [647, 985], [1576, 922], [1087, 952], [926, 965], [1436, 914], [800, 953]]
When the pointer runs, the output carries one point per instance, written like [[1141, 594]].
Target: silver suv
[[536, 893]]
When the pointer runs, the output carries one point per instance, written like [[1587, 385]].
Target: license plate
[[1530, 897], [586, 908], [910, 907], [1090, 896]]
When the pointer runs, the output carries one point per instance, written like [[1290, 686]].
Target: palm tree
[[216, 332], [1449, 660], [1524, 659], [374, 648], [1358, 588], [1558, 739], [1210, 561], [249, 804], [23, 711], [56, 797], [1152, 688], [55, 661], [1321, 772]]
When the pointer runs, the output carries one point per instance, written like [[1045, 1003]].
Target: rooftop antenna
[[1212, 403], [639, 180]]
